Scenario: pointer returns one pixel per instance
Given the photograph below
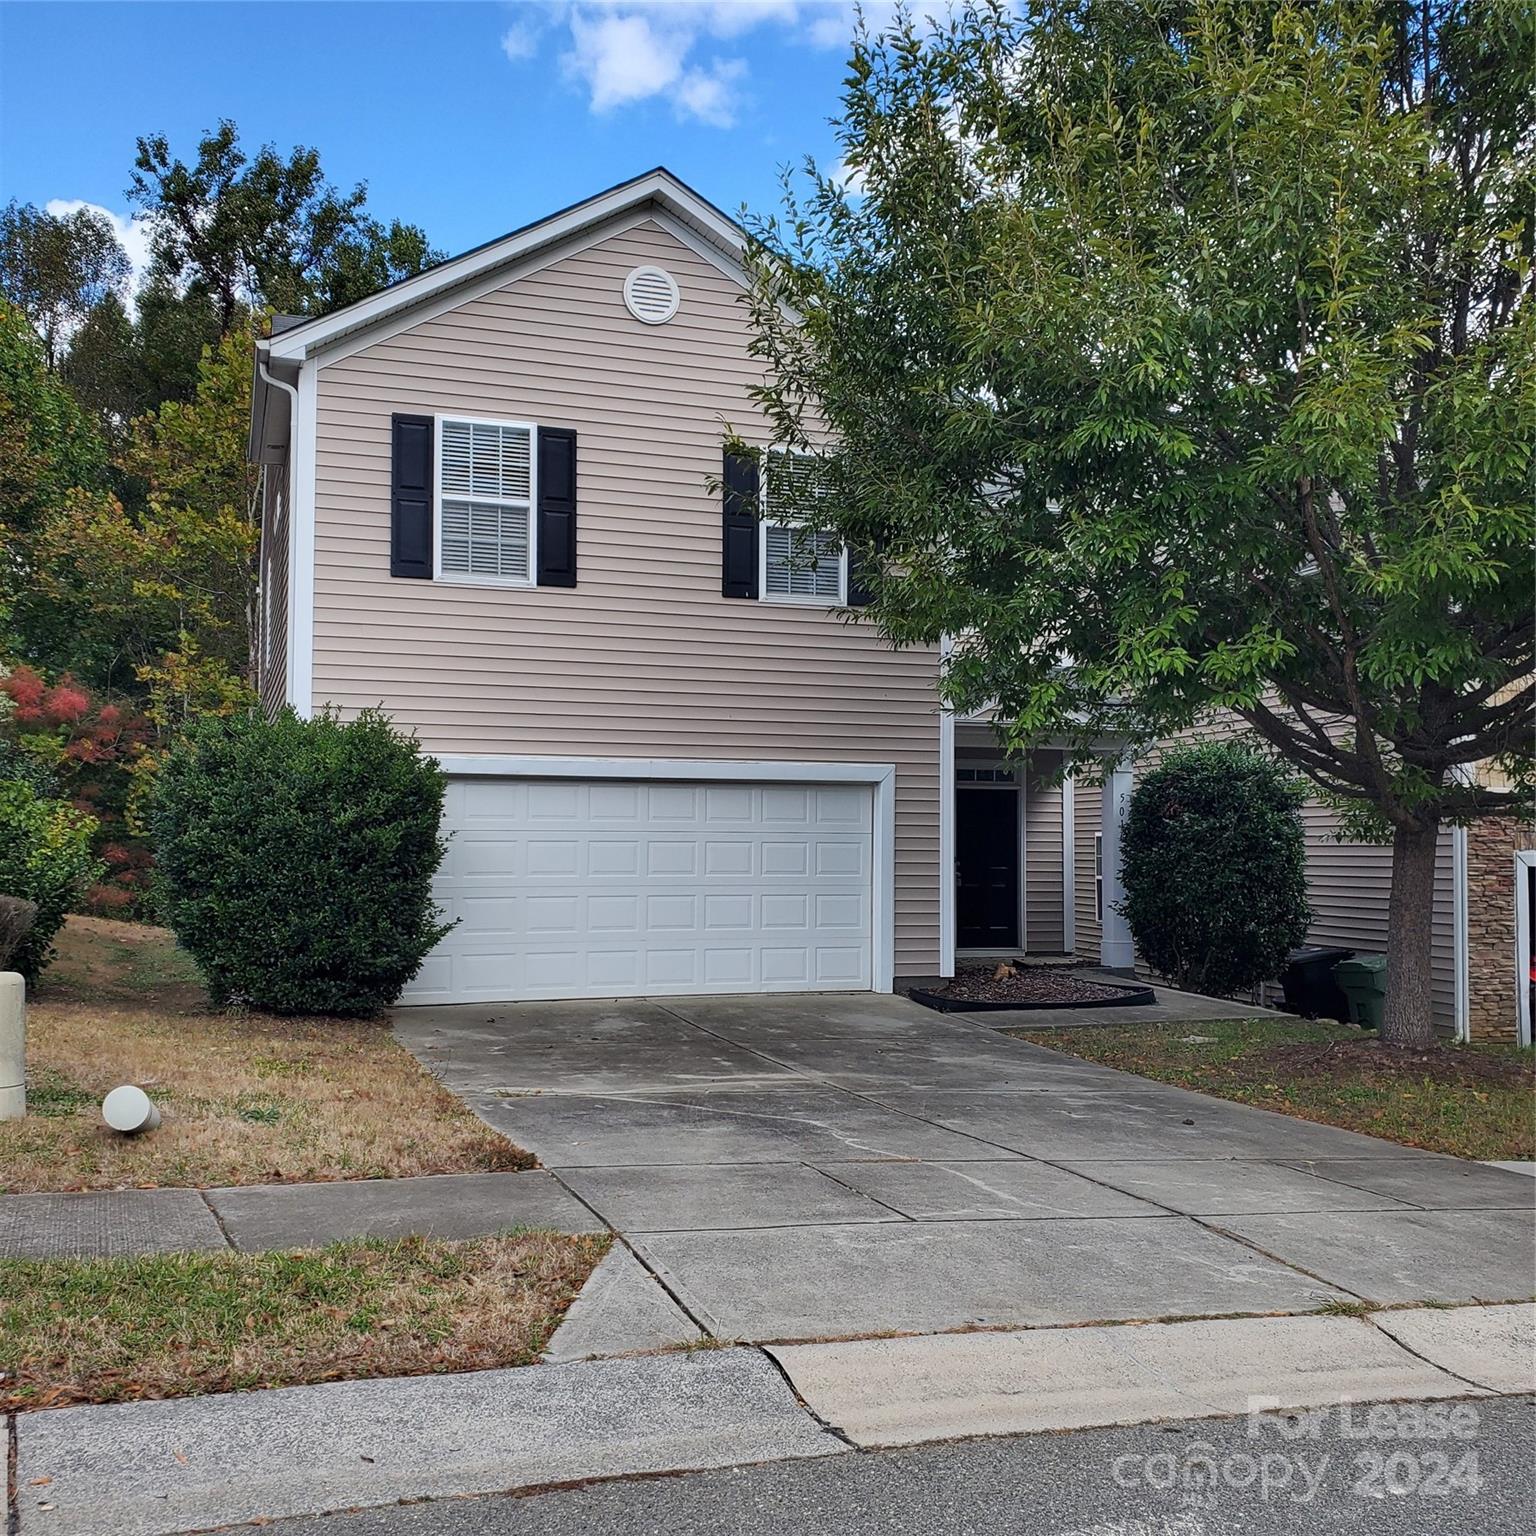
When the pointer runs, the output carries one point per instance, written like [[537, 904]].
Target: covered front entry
[[1036, 853], [606, 887]]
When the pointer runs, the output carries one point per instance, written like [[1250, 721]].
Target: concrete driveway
[[822, 1166]]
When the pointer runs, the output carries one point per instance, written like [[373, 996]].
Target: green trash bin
[[1364, 984]]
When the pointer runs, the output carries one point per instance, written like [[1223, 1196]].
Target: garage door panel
[[605, 888]]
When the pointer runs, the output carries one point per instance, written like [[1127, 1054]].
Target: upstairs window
[[485, 500], [799, 564]]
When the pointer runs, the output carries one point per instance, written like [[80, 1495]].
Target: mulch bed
[[1028, 987], [1438, 1063]]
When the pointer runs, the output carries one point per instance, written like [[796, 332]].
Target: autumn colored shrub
[[65, 743]]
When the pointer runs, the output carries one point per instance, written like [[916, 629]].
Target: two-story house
[[498, 507]]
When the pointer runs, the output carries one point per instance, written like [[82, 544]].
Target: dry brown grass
[[245, 1098], [112, 1330]]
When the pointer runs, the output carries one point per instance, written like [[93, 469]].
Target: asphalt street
[[1388, 1470]]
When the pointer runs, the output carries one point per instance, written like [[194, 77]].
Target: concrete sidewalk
[[121, 1223], [165, 1468]]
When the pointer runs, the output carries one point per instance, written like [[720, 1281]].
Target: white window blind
[[485, 500], [802, 563], [798, 562]]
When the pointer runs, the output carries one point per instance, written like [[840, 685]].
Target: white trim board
[[1524, 861], [880, 776], [468, 578]]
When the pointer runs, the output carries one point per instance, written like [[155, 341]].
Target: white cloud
[[627, 51], [849, 178], [832, 26], [132, 232], [623, 52], [624, 58], [521, 40], [709, 95]]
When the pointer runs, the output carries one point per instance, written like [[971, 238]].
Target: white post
[[1069, 866], [946, 826], [1116, 950], [13, 1046]]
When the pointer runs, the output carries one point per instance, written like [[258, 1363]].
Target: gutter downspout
[[293, 427]]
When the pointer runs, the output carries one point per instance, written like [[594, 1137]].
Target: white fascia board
[[656, 189]]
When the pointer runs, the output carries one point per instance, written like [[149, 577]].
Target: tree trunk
[[1410, 924]]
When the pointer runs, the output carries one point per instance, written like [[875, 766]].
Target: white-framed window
[[1098, 875], [796, 564], [485, 496]]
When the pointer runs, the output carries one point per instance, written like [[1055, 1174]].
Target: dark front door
[[987, 868]]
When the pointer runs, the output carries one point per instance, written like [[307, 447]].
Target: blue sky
[[467, 119]]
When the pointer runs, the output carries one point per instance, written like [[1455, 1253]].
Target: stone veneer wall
[[1491, 845]]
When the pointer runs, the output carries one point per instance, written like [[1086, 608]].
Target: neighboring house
[[1485, 878], [497, 506]]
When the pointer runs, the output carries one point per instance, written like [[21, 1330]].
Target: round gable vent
[[651, 295]]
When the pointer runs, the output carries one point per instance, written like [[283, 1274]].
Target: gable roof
[[658, 189]]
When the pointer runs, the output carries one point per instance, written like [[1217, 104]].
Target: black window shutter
[[557, 507], [859, 574], [410, 498], [738, 542]]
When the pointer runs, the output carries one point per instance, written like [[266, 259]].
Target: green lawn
[[113, 1330], [1470, 1100]]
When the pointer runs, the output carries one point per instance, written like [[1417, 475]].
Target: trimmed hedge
[[295, 859], [45, 858], [1214, 866]]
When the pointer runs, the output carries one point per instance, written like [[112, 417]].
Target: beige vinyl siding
[[1044, 930], [272, 612], [644, 658], [1349, 886]]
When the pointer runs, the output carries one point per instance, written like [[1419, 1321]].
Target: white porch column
[[947, 871], [1116, 951]]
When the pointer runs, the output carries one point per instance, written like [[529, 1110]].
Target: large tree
[[1180, 355], [265, 230], [56, 267], [125, 596]]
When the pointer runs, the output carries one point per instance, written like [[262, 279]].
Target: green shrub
[[295, 859], [18, 766], [45, 858], [1214, 866]]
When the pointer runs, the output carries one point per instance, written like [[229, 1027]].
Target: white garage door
[[607, 888]]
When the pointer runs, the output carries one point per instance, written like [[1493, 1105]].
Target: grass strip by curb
[[1472, 1101], [172, 1325]]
